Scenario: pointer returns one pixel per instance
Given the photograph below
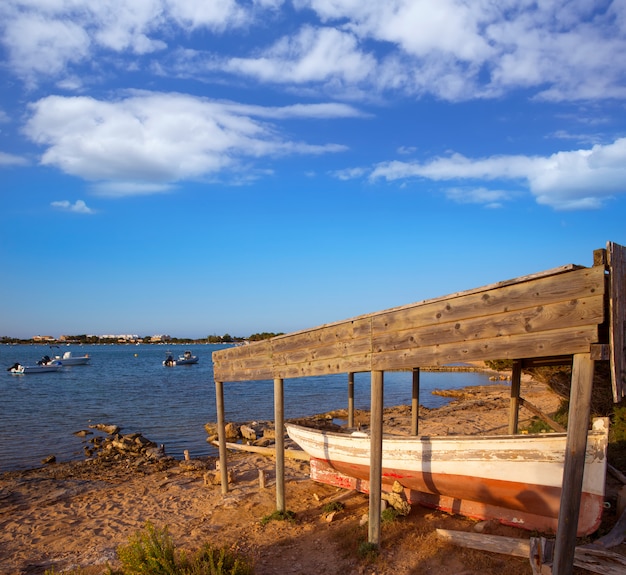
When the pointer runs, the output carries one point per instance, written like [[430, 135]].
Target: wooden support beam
[[351, 399], [270, 451], [415, 401], [221, 434], [577, 426], [279, 426], [540, 414], [376, 456], [516, 382]]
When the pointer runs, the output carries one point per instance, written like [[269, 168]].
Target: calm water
[[128, 386]]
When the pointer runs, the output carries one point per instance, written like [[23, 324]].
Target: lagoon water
[[128, 386]]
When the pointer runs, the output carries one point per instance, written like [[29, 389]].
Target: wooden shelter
[[569, 315]]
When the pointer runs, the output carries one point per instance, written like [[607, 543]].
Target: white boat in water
[[20, 369], [186, 359], [68, 359], [515, 479]]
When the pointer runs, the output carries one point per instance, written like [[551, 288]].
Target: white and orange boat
[[515, 479]]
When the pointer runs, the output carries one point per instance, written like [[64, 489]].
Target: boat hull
[[24, 369], [514, 479]]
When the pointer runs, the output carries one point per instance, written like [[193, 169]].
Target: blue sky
[[197, 167]]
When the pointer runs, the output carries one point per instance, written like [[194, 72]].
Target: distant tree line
[[95, 339]]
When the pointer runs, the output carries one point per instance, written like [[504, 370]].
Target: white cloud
[[312, 55], [578, 179], [11, 160], [148, 140], [78, 207], [451, 48]]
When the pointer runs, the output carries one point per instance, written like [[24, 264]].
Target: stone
[[248, 432], [231, 431]]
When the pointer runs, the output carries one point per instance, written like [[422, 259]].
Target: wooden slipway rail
[[571, 314]]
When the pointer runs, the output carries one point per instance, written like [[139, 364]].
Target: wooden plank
[[567, 314], [536, 411], [617, 310], [575, 285], [492, 543], [595, 560], [270, 451], [575, 447], [548, 343]]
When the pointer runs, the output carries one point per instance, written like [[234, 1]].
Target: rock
[[231, 431], [247, 432], [397, 499], [212, 478], [48, 460], [109, 429], [83, 433]]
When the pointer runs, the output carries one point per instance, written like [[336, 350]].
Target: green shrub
[[152, 552], [389, 515], [279, 516], [334, 506], [368, 551]]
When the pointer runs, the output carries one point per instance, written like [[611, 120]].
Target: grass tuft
[[279, 516]]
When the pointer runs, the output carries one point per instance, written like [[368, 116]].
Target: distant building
[[43, 338], [161, 337]]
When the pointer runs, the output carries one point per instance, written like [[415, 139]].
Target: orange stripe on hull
[[532, 507]]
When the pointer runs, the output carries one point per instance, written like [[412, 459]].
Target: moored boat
[[515, 479], [68, 359], [186, 359], [20, 369]]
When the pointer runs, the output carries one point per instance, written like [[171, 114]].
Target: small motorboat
[[68, 359], [19, 369], [186, 359]]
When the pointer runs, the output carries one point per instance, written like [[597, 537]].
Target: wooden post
[[415, 401], [279, 425], [516, 383], [221, 434], [376, 456], [351, 399], [577, 426]]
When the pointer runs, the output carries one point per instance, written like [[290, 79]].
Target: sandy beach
[[74, 515]]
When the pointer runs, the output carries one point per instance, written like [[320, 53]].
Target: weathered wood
[[376, 456], [595, 560], [221, 433], [270, 451], [415, 401], [351, 399], [540, 555], [617, 307], [536, 411], [483, 542], [547, 315], [279, 426], [516, 381], [578, 423]]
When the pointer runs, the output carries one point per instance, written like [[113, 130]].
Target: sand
[[70, 515]]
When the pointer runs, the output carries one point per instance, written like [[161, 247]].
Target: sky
[[203, 167]]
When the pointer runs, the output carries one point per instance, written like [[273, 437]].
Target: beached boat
[[515, 479], [20, 369], [186, 359], [68, 359]]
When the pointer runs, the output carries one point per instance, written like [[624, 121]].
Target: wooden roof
[[559, 312]]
